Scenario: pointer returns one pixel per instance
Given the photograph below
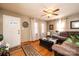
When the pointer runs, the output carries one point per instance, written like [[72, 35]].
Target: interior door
[[11, 30]]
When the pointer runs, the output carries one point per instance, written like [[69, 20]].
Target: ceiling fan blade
[[44, 15], [54, 14], [56, 10], [45, 11]]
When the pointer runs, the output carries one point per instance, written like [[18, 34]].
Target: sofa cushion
[[70, 41]]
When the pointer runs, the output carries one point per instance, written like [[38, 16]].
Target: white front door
[[11, 30]]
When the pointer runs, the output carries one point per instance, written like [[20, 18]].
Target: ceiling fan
[[50, 12]]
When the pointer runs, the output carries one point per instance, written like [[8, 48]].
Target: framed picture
[[51, 27], [74, 24]]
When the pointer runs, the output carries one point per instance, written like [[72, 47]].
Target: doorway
[[11, 30]]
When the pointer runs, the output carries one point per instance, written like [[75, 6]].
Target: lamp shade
[[48, 33]]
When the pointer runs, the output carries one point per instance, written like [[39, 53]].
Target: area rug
[[30, 51]]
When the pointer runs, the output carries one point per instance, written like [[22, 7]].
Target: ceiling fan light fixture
[[49, 14]]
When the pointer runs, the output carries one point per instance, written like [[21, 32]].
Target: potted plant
[[1, 37]]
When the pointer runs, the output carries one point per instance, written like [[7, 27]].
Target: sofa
[[63, 35], [67, 33], [66, 48]]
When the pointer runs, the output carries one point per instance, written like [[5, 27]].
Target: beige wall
[[25, 32]]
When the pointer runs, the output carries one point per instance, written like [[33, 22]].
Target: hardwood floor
[[43, 51], [18, 52]]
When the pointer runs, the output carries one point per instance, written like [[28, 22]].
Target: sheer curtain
[[60, 25], [43, 29], [34, 30]]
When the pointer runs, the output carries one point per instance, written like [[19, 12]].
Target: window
[[42, 27], [60, 25], [35, 27]]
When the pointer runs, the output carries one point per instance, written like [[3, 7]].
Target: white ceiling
[[36, 9]]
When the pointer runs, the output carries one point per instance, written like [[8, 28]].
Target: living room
[[39, 29]]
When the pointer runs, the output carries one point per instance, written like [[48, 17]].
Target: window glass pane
[[43, 28], [35, 27]]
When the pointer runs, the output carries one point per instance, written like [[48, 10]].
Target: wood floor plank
[[18, 52]]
